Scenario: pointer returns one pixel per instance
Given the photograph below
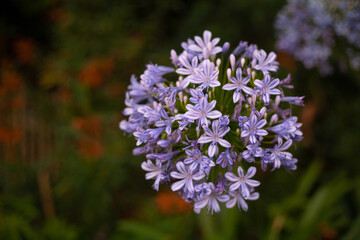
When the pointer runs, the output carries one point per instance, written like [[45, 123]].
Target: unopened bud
[[277, 100], [218, 62], [225, 48], [232, 61], [228, 72], [181, 96], [274, 118], [248, 71], [242, 62], [262, 112], [253, 74]]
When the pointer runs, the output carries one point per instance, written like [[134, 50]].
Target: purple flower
[[168, 95], [162, 157], [171, 118], [288, 128], [153, 74], [207, 76], [245, 50], [202, 189], [263, 63], [239, 84], [187, 175], [243, 120], [277, 153], [195, 158], [183, 121], [153, 114], [155, 171], [196, 96], [206, 46], [203, 111], [167, 123], [225, 159], [149, 135], [253, 150], [244, 182], [289, 164], [267, 87], [293, 100], [174, 58], [252, 129], [137, 91], [187, 69], [238, 198], [224, 121], [215, 136], [211, 200]]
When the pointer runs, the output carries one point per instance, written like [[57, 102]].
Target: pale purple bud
[[218, 62], [225, 48], [228, 72], [274, 118], [139, 151], [277, 100], [181, 96], [242, 62], [185, 99], [232, 61], [253, 74], [174, 58], [262, 112], [248, 71]]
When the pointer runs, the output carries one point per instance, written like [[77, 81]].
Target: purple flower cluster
[[311, 30], [204, 132]]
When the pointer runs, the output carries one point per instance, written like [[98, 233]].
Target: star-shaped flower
[[202, 111], [238, 83], [252, 128], [187, 175], [244, 182], [215, 136], [206, 46], [207, 76], [266, 87]]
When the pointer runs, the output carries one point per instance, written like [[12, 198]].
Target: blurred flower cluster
[[221, 113], [315, 32]]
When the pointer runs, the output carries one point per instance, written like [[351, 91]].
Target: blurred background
[[67, 171]]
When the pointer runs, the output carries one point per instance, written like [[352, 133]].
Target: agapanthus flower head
[[315, 32], [205, 133]]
